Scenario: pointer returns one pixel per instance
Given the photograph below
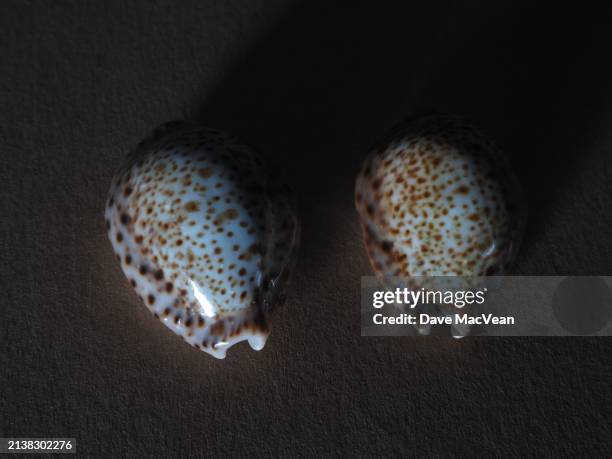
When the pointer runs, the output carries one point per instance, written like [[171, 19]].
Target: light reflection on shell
[[203, 236]]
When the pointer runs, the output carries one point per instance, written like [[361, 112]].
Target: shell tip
[[257, 342]]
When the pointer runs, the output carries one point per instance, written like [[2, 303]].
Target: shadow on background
[[317, 91]]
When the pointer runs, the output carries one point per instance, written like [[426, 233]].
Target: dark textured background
[[312, 85]]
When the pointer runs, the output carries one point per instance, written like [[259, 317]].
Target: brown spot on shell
[[192, 206], [205, 172]]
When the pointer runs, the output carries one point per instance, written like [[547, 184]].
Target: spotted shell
[[438, 199], [203, 236]]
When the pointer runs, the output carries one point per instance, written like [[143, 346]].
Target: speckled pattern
[[202, 236], [437, 199]]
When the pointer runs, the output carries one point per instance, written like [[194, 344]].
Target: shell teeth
[[203, 237], [438, 199]]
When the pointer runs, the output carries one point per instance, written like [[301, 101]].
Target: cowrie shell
[[202, 234], [437, 198]]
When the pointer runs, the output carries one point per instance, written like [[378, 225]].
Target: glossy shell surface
[[203, 236]]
